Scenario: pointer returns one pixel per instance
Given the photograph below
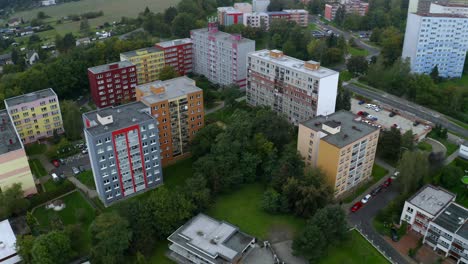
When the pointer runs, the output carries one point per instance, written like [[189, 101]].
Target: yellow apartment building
[[148, 62], [342, 146]]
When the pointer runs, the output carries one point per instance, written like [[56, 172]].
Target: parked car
[[361, 102], [365, 113], [387, 183], [392, 114], [356, 207], [55, 177], [62, 161], [395, 236], [75, 170], [62, 175], [360, 113], [84, 151], [366, 198], [56, 163], [81, 168], [416, 123], [377, 109], [376, 190]]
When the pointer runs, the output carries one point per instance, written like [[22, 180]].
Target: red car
[[387, 182], [56, 163], [356, 206], [359, 113]]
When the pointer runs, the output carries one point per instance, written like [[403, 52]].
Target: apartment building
[[341, 145], [244, 7], [424, 206], [300, 16], [436, 40], [177, 105], [177, 54], [148, 62], [351, 7], [207, 240], [228, 16], [257, 20], [297, 89], [124, 152], [260, 5], [448, 233], [278, 15], [113, 83], [14, 166], [35, 115], [449, 8], [219, 56]]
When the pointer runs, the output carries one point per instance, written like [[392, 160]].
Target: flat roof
[[175, 42], [228, 9], [107, 67], [222, 36], [431, 199], [9, 140], [30, 97], [293, 63], [295, 10], [8, 238], [465, 5], [174, 88], [453, 218], [122, 116], [135, 52], [442, 15], [215, 240], [351, 130], [277, 13]]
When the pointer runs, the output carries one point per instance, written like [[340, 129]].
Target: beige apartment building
[[342, 146]]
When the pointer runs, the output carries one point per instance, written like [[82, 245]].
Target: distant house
[[83, 41], [463, 151], [4, 60], [31, 57], [48, 2], [14, 22]]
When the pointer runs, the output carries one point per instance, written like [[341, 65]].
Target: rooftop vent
[[461, 220], [447, 213], [356, 128], [200, 233], [317, 123], [2, 245], [345, 136], [134, 119]]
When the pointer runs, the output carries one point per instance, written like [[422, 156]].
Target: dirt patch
[[279, 233]]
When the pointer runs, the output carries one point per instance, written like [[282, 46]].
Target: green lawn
[[36, 168], [460, 189], [345, 76], [356, 250], [87, 179], [176, 174], [425, 146], [158, 257], [378, 173], [242, 208], [358, 52], [312, 27], [51, 185], [463, 82], [77, 211], [35, 149]]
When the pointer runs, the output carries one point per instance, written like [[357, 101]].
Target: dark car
[[62, 161], [356, 206], [81, 168], [416, 123], [392, 114], [361, 102], [387, 183], [376, 191], [56, 163], [395, 236], [365, 114]]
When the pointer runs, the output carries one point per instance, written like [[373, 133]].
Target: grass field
[[77, 211], [355, 250], [113, 11], [425, 146], [36, 168], [243, 209], [358, 52], [176, 174], [87, 179], [377, 174]]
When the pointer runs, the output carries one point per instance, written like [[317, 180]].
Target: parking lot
[[403, 122]]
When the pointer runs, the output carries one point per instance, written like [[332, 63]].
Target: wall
[[14, 168]]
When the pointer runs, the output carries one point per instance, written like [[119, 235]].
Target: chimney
[[276, 54], [312, 65]]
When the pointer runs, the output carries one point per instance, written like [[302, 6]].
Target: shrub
[[64, 187]]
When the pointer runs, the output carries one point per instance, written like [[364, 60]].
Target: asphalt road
[[402, 104], [362, 220]]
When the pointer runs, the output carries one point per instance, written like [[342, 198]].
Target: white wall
[[463, 151], [410, 45], [328, 90]]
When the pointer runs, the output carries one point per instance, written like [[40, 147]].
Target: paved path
[[89, 192], [214, 109], [450, 158], [436, 146], [410, 107]]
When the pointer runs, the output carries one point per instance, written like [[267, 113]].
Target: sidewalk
[[89, 192]]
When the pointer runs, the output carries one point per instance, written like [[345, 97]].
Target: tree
[[389, 145], [111, 236], [71, 113], [41, 15], [391, 42], [276, 5], [435, 74], [182, 24], [85, 27], [273, 202], [230, 94], [204, 139], [413, 168], [407, 140], [326, 228], [51, 248], [451, 176], [66, 43], [24, 245], [12, 201], [170, 14], [357, 65], [168, 72], [340, 15], [343, 99]]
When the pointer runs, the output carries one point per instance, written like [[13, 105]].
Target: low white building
[[463, 151], [48, 2], [260, 5], [424, 206], [8, 253]]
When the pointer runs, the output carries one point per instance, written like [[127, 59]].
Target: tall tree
[[111, 236], [435, 74], [71, 113], [85, 28], [413, 168], [343, 99], [168, 72], [451, 176], [24, 245], [357, 65], [51, 248], [170, 14], [12, 201], [340, 15], [182, 24], [389, 146]]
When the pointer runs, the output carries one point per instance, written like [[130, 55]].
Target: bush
[[64, 187]]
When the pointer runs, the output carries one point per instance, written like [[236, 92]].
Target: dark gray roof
[[122, 116], [351, 130], [6, 56], [453, 218], [106, 67], [9, 140], [30, 97], [134, 52]]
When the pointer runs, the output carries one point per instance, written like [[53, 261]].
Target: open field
[[113, 11], [355, 250]]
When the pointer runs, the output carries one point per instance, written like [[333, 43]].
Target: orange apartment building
[[177, 105], [342, 146]]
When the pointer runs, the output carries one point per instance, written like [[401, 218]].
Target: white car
[[377, 109], [369, 105], [366, 198], [55, 177]]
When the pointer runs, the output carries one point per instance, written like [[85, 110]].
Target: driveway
[[73, 161]]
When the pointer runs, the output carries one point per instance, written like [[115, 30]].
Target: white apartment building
[[448, 8], [436, 40], [260, 5], [219, 56], [256, 20], [422, 207], [300, 16], [300, 90]]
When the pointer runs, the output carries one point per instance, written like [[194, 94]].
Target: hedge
[[38, 199]]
